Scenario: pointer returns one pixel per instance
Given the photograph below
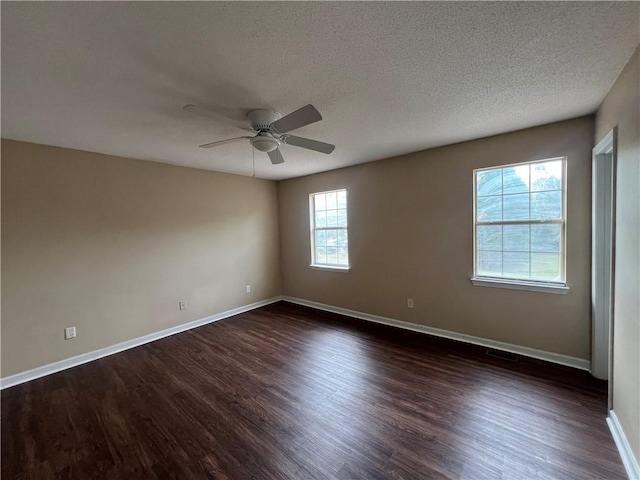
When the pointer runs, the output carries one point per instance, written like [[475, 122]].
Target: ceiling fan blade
[[275, 156], [301, 117], [308, 144], [222, 142]]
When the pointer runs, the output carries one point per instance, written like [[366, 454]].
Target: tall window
[[520, 222], [329, 240]]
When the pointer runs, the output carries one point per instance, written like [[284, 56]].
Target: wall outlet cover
[[69, 333]]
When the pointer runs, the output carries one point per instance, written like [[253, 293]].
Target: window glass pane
[[519, 203], [342, 238], [515, 264], [332, 201], [489, 182], [546, 176], [321, 255], [516, 238], [342, 218], [545, 266], [490, 264], [343, 257], [332, 237], [332, 255], [515, 179], [515, 207], [546, 205], [342, 199], [489, 237], [489, 209], [321, 220], [319, 201], [332, 218], [545, 238], [321, 238]]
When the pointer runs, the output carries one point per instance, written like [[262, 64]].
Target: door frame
[[603, 255]]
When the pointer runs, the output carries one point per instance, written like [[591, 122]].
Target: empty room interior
[[320, 240]]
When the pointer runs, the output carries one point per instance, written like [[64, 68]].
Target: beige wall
[[621, 107], [111, 245], [410, 235]]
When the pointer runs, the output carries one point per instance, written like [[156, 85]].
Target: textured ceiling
[[388, 77]]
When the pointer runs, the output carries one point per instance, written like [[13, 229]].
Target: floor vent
[[512, 357]]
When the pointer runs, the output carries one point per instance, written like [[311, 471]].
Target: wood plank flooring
[[286, 392]]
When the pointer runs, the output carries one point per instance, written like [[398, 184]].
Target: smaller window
[[328, 220]]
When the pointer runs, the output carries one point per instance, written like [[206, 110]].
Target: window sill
[[557, 288], [330, 268]]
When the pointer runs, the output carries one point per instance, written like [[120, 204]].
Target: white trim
[[508, 347], [54, 367], [330, 268], [626, 453], [558, 289], [602, 255], [607, 143]]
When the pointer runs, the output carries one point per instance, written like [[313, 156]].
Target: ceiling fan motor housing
[[262, 119]]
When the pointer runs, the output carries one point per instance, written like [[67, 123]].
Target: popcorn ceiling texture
[[388, 77]]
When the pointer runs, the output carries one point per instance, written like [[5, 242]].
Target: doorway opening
[[602, 255]]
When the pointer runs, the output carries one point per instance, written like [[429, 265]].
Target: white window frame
[[312, 230], [558, 287]]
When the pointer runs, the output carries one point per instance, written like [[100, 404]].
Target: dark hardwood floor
[[293, 393]]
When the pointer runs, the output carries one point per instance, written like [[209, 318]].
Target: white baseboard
[[48, 369], [508, 347], [44, 370], [628, 458]]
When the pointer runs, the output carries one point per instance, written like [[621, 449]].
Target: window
[[329, 240], [519, 213]]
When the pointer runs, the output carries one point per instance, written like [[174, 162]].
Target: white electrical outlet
[[182, 305], [247, 289], [69, 333], [409, 302]]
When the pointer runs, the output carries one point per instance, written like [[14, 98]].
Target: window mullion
[[522, 222]]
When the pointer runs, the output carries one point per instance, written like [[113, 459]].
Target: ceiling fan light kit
[[265, 142], [271, 131]]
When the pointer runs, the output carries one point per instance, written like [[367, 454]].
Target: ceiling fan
[[271, 130]]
